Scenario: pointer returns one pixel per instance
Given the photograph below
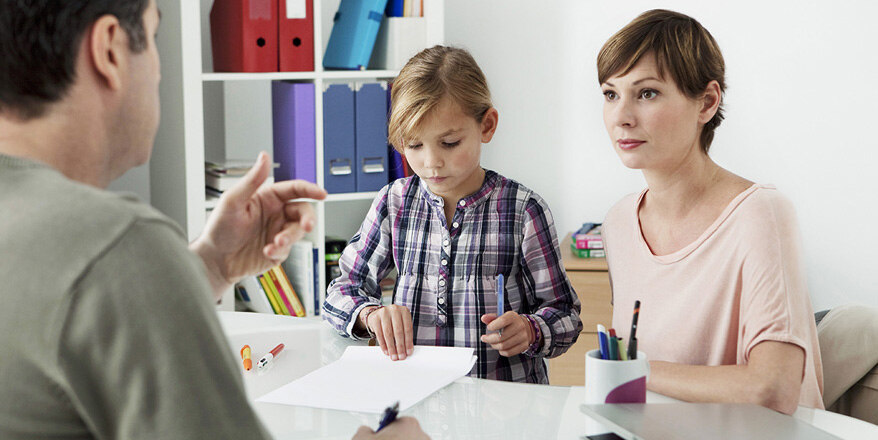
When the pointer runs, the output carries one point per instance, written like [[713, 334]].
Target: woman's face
[[651, 123]]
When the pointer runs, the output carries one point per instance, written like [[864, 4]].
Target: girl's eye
[[648, 94], [413, 146], [451, 144], [610, 95]]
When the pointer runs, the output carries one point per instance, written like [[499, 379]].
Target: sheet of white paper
[[365, 380]]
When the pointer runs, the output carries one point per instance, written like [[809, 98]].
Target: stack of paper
[[366, 380]]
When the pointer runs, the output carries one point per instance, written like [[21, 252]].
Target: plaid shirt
[[448, 277]]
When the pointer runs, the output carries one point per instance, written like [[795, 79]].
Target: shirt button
[[445, 243], [462, 203], [445, 262], [441, 283], [441, 300], [455, 224]]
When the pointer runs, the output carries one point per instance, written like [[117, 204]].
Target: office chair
[[848, 338]]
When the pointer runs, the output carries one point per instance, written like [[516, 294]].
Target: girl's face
[[446, 150], [651, 123]]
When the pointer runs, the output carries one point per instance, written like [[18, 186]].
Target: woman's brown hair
[[682, 48]]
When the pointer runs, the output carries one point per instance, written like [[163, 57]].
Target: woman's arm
[[772, 378]]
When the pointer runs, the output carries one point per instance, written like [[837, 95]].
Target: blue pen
[[389, 416], [501, 295], [603, 342]]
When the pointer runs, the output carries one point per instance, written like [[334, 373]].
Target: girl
[[450, 230]]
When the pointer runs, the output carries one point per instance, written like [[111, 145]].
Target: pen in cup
[[603, 342], [632, 343], [613, 346]]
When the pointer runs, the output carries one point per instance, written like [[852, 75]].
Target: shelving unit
[[177, 163]]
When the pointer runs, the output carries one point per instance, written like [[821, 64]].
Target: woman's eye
[[648, 94], [610, 95]]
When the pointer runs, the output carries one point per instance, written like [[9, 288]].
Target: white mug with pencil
[[615, 373]]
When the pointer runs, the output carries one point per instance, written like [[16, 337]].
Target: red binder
[[243, 35], [296, 35]]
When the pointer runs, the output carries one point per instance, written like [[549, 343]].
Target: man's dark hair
[[39, 41]]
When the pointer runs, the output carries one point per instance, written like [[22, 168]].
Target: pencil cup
[[615, 381]]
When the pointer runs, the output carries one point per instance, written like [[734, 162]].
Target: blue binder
[[338, 139], [354, 30], [371, 129]]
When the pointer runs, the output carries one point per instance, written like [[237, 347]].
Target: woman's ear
[[489, 124], [710, 102]]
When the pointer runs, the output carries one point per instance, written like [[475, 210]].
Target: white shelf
[[357, 74], [177, 163], [277, 76], [268, 76], [351, 196]]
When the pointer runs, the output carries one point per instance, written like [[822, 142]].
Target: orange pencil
[[245, 354]]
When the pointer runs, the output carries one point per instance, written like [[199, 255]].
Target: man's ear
[[710, 102], [489, 124], [107, 48]]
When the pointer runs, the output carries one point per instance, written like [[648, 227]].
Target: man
[[107, 329]]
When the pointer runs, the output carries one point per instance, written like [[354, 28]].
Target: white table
[[468, 408]]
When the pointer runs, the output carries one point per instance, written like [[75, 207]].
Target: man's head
[[40, 41], [79, 84]]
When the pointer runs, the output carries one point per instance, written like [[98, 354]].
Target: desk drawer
[[593, 289], [569, 368]]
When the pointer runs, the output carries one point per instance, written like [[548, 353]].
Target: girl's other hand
[[513, 333]]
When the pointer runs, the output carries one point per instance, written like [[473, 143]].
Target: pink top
[[740, 283]]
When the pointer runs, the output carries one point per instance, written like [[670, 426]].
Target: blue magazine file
[[354, 30], [371, 129], [339, 175]]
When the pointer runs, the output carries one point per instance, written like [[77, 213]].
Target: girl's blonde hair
[[425, 80]]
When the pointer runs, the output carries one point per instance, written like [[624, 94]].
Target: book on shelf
[[587, 253], [211, 198], [299, 268], [223, 182], [253, 295], [271, 295], [294, 303], [270, 292], [230, 167], [588, 237], [286, 303], [589, 242]]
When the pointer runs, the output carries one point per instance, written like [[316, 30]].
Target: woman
[[712, 256]]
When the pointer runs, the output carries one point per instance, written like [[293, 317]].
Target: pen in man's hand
[[389, 416]]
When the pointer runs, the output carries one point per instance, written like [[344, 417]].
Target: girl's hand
[[513, 333], [392, 326]]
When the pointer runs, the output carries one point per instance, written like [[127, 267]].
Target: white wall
[[800, 109]]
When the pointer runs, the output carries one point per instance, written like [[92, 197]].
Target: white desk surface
[[468, 408]]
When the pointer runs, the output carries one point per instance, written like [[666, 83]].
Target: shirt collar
[[474, 199]]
